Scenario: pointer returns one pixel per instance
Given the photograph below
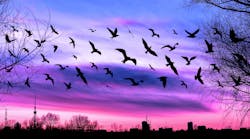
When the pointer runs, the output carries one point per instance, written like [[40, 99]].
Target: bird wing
[[133, 60], [196, 31], [122, 51], [115, 31], [174, 69], [111, 31], [131, 79], [186, 58], [152, 52], [188, 32], [145, 44], [192, 58]]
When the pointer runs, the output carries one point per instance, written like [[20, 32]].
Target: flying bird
[[10, 84], [216, 31], [93, 65], [72, 41], [67, 85], [39, 44], [240, 58], [80, 74], [148, 48], [53, 29], [198, 76], [163, 79], [108, 71], [28, 32], [133, 82], [171, 64], [48, 77], [188, 59], [153, 33], [26, 50], [192, 35], [44, 59], [174, 32], [113, 33], [55, 48], [94, 50], [27, 82], [62, 67], [7, 38], [126, 58], [184, 84], [171, 48], [215, 67], [209, 47], [219, 84], [74, 56], [151, 67], [234, 37], [92, 30], [14, 28], [12, 54], [237, 81]]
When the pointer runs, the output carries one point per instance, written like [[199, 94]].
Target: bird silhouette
[[153, 33], [93, 65], [67, 85], [219, 84], [240, 58], [151, 67], [61, 66], [14, 28], [7, 38], [53, 30], [27, 82], [237, 81], [234, 37], [74, 56], [28, 32], [108, 71], [26, 50], [163, 79], [188, 59], [55, 48], [174, 32], [171, 48], [216, 31], [10, 84], [39, 44], [126, 58], [72, 41], [133, 82], [148, 48], [209, 47], [12, 54], [80, 74], [94, 50], [171, 64], [9, 69], [198, 76], [92, 30], [192, 35], [184, 84], [113, 33], [215, 67], [44, 59], [48, 77]]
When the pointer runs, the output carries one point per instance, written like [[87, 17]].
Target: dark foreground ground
[[66, 134]]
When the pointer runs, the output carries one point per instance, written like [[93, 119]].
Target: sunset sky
[[107, 99]]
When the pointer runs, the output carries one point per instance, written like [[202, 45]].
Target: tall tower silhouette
[[6, 117], [35, 121]]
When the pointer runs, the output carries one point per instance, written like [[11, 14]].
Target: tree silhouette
[[230, 33], [78, 122], [50, 120]]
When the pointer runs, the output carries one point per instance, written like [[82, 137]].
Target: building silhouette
[[145, 126], [190, 126]]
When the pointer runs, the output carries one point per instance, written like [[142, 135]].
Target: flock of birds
[[126, 58]]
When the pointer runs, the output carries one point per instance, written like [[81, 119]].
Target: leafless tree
[[229, 32], [78, 122], [50, 120]]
